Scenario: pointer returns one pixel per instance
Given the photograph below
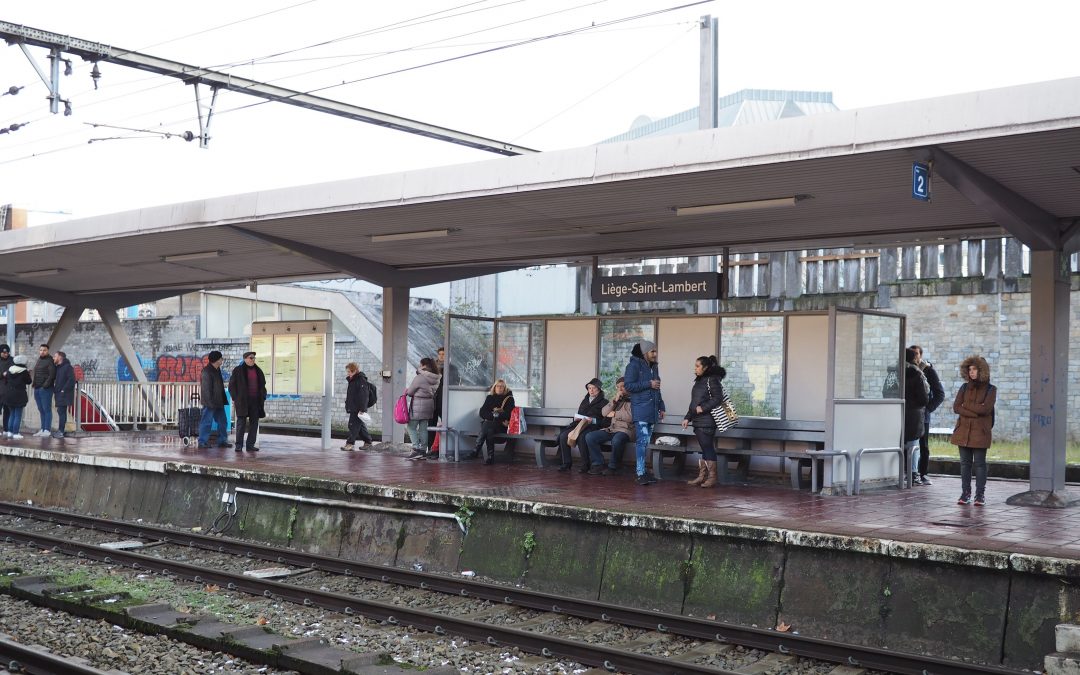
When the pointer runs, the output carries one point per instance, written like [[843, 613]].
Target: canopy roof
[[1010, 158]]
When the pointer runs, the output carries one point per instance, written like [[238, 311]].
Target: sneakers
[[417, 455], [915, 480], [585, 468], [58, 434], [44, 433], [596, 471], [646, 479], [925, 480], [253, 448], [980, 500], [965, 500], [15, 437], [348, 447]]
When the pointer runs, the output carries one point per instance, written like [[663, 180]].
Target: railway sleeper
[[769, 662]]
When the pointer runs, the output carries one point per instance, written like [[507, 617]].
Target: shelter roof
[[851, 169]]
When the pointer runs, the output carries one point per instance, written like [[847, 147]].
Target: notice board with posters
[[296, 356]]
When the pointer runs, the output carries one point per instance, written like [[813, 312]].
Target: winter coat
[[241, 399], [937, 392], [593, 408], [211, 387], [356, 396], [422, 391], [974, 403], [64, 385], [492, 404], [646, 403], [708, 393], [916, 396], [18, 378], [44, 372], [5, 364], [622, 420]]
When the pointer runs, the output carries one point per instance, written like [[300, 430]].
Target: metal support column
[[1049, 386], [328, 387], [395, 358], [123, 344], [708, 102], [64, 327]]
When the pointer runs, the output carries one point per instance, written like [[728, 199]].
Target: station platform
[[909, 569], [923, 514]]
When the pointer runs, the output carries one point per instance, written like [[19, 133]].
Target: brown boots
[[706, 477], [703, 473]]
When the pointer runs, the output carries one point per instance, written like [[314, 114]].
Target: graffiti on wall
[[165, 368]]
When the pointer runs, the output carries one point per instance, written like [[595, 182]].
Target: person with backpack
[[357, 401], [974, 405]]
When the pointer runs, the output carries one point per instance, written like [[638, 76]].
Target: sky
[[549, 94]]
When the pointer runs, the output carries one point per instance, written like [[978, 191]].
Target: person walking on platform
[[706, 394], [589, 412], [495, 413], [212, 398], [15, 398], [916, 396], [247, 386], [646, 402], [422, 405], [937, 397], [356, 404], [63, 391], [974, 405], [5, 362], [44, 376], [619, 430]]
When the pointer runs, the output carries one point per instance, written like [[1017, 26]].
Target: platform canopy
[[1004, 161]]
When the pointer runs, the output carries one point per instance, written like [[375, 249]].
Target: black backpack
[[372, 392]]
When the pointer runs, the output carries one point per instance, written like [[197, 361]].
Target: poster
[[312, 353], [262, 345], [285, 364]]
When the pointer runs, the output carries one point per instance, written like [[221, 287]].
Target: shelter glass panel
[[867, 356], [471, 360], [515, 360], [217, 316], [265, 311], [617, 339], [240, 317], [316, 313], [292, 313], [752, 352]]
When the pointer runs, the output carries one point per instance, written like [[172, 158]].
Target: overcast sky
[[557, 93]]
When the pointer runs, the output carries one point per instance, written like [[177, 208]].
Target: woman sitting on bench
[[619, 430], [589, 414], [496, 413]]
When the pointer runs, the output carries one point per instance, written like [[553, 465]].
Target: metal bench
[[903, 476]]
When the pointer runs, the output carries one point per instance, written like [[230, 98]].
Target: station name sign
[[657, 287]]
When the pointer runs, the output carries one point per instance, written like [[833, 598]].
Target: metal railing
[[131, 404]]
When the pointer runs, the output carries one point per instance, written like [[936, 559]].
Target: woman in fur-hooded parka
[[974, 405]]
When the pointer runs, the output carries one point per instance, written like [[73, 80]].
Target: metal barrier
[[133, 403]]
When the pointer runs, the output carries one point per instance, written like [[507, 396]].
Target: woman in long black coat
[[592, 407], [495, 413]]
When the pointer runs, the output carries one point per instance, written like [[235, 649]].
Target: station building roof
[[849, 172]]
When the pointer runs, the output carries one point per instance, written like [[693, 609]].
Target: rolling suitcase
[[187, 422]]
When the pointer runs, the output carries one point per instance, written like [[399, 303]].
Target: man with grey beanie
[[642, 380]]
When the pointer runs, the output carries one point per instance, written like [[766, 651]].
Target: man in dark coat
[[63, 391], [916, 396], [937, 397], [212, 398], [6, 361], [646, 402], [247, 385], [356, 404]]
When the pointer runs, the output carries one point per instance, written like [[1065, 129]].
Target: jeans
[[14, 419], [594, 439], [417, 433], [43, 399], [706, 438], [244, 425], [209, 417], [978, 456], [61, 418], [913, 448], [357, 429], [641, 446]]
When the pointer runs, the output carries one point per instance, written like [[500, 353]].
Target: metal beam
[[375, 272], [122, 342], [64, 328], [113, 300], [1028, 222], [95, 52], [395, 375]]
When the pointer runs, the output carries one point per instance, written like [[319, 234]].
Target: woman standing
[[422, 405], [495, 413], [974, 404], [707, 394], [15, 397]]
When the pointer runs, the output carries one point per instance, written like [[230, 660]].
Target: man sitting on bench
[[590, 412], [619, 430]]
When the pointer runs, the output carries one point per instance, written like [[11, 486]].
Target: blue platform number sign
[[920, 181]]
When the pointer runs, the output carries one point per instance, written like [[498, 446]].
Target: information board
[[295, 355], [286, 364], [312, 356]]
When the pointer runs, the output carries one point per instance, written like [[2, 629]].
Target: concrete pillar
[[64, 327], [1049, 372], [395, 358], [122, 342]]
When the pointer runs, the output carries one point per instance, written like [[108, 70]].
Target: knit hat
[[5, 348], [213, 356], [20, 360], [646, 346], [596, 383]]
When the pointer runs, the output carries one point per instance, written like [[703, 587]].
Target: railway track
[[20, 659], [503, 600]]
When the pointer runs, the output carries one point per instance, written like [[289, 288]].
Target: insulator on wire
[[67, 66], [12, 90], [95, 75], [67, 108]]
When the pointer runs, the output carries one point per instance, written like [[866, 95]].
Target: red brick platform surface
[[923, 514]]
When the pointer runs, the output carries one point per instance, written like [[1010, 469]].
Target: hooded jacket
[[916, 396], [18, 378], [646, 403], [422, 390], [974, 405], [356, 393], [5, 363], [64, 385], [708, 393]]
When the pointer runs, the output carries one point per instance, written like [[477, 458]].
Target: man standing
[[212, 397], [937, 396], [5, 362], [247, 385], [64, 391], [356, 404], [44, 377], [642, 380]]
